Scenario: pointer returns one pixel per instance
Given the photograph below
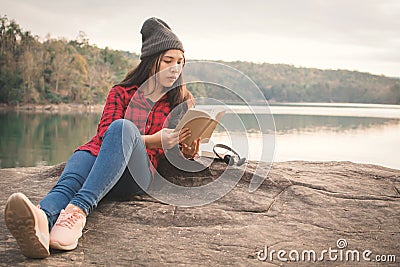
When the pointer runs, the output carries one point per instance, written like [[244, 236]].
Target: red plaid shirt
[[129, 103]]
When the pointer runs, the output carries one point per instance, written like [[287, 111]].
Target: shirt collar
[[142, 99]]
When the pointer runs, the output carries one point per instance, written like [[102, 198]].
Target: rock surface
[[300, 206]]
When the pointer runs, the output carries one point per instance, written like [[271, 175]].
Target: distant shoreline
[[289, 108], [54, 108]]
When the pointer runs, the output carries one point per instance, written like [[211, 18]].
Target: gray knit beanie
[[157, 36]]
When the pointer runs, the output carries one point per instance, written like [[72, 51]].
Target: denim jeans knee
[[86, 179], [122, 144]]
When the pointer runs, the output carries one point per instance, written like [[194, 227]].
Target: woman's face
[[170, 67]]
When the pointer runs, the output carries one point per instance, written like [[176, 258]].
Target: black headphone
[[229, 159]]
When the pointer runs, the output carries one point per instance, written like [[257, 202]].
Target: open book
[[201, 123]]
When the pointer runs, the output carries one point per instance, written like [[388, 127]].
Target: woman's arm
[[165, 138], [171, 140], [168, 138], [151, 141]]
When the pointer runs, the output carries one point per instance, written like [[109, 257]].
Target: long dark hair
[[136, 77]]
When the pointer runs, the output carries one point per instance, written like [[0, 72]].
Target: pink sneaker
[[28, 224], [67, 230]]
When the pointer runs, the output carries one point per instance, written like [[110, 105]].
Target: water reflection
[[28, 139], [286, 124], [377, 144], [372, 143], [301, 123]]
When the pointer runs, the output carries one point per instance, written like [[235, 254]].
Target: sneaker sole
[[56, 245], [20, 221]]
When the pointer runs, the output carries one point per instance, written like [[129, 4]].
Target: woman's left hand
[[191, 151]]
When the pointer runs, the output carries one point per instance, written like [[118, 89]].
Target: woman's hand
[[191, 151], [166, 138], [170, 137]]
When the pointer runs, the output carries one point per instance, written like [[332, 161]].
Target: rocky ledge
[[339, 210]]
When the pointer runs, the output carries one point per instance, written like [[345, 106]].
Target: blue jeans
[[86, 179]]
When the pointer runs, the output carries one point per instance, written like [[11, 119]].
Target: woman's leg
[[71, 180], [29, 224], [122, 143], [125, 188]]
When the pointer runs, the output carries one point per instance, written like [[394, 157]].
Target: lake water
[[312, 132]]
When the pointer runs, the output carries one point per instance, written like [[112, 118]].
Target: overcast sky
[[361, 35]]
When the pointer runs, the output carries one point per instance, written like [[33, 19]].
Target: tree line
[[286, 83], [56, 70]]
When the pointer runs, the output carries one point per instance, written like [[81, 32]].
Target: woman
[[96, 167]]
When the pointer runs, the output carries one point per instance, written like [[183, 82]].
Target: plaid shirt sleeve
[[114, 109], [149, 118], [129, 103]]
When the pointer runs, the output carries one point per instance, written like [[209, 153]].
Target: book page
[[217, 113], [190, 115], [206, 135], [200, 123], [197, 127]]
